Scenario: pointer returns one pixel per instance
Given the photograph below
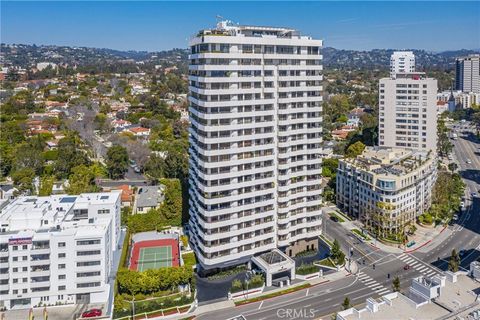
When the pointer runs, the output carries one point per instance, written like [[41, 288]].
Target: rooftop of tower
[[228, 28]]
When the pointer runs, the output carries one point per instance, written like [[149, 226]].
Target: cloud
[[400, 25], [348, 20]]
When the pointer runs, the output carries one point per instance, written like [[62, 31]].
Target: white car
[[462, 205], [455, 217], [469, 161]]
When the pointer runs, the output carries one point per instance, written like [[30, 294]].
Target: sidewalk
[[423, 236]]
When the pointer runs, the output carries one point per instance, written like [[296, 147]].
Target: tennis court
[[154, 254], [154, 258]]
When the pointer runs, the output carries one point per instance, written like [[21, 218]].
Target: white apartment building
[[256, 124], [462, 100], [467, 73], [408, 112], [401, 62], [58, 249], [386, 188]]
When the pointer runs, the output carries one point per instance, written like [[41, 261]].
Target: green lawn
[[275, 294], [326, 262], [340, 219], [343, 215], [361, 235]]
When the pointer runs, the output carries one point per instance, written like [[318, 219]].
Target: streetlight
[[248, 276], [133, 307]]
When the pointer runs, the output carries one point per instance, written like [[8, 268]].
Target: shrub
[[237, 286], [184, 240], [256, 281], [189, 259], [307, 269]]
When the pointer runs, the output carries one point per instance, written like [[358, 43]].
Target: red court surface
[[137, 246]]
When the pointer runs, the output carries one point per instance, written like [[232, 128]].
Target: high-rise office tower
[[408, 111], [467, 74], [256, 124], [401, 62]]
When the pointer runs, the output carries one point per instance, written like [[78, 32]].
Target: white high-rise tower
[[407, 106], [256, 125], [402, 62]]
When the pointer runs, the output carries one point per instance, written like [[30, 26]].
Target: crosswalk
[[372, 284], [417, 265]]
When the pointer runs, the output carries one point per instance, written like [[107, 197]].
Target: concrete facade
[[58, 249], [408, 112]]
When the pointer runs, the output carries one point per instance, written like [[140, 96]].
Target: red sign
[[15, 241]]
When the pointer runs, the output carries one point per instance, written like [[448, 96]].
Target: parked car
[[469, 161], [333, 218], [92, 313], [455, 217]]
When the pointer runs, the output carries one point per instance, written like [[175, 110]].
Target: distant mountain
[[380, 58], [28, 55]]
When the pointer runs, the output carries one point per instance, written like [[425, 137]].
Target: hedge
[[307, 269]]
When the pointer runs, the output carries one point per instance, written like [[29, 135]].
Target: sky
[[162, 25]]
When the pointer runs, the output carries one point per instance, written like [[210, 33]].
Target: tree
[[28, 155], [336, 253], [100, 122], [329, 167], [23, 179], [452, 166], [46, 186], [355, 149], [444, 145], [117, 161], [176, 165], [155, 167], [71, 155], [346, 303], [82, 180], [454, 262], [396, 284]]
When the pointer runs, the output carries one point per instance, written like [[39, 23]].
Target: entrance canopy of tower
[[274, 262]]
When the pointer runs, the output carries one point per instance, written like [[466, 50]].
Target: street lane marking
[[261, 304], [377, 287], [384, 291], [306, 294], [422, 269]]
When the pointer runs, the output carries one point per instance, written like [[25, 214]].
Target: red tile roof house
[[340, 134], [140, 131], [127, 194]]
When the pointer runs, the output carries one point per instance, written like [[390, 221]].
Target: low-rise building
[[140, 131], [58, 249], [448, 296], [148, 198], [386, 188]]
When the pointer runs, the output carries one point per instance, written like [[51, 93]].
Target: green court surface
[[154, 258]]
